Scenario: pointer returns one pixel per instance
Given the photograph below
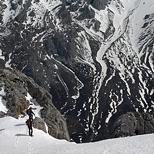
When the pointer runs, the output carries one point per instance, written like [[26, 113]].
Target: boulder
[[39, 124], [130, 124], [2, 114]]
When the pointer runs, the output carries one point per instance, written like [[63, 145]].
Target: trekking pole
[[27, 131]]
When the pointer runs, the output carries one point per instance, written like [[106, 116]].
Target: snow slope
[[14, 139]]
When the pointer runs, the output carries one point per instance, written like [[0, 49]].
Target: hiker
[[30, 113], [30, 126]]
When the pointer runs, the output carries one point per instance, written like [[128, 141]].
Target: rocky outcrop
[[15, 91], [131, 124], [39, 124], [16, 86], [99, 4]]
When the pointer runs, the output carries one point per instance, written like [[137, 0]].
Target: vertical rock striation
[[95, 57]]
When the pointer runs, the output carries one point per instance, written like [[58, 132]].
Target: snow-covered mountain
[[95, 57]]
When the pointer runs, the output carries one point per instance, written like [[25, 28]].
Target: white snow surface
[[2, 101], [34, 104], [14, 139]]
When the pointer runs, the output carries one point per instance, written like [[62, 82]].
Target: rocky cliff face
[[95, 57], [16, 87]]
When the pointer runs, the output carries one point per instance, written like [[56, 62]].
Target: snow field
[[14, 139]]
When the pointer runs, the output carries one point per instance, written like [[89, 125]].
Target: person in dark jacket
[[30, 113], [30, 121]]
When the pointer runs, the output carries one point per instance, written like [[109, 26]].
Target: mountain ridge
[[94, 57]]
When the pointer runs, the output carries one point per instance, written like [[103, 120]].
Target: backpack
[[27, 121], [28, 112]]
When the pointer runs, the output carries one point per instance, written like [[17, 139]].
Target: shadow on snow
[[21, 135]]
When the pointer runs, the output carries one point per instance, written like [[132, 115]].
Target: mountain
[[94, 57]]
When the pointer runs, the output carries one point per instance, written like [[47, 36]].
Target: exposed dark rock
[[99, 4], [86, 13], [32, 14], [2, 63], [64, 15], [2, 114], [86, 58], [39, 124], [17, 85], [15, 92], [14, 6], [131, 124]]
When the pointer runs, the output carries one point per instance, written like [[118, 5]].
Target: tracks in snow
[[23, 139]]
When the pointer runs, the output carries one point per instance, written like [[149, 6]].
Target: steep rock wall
[[17, 86]]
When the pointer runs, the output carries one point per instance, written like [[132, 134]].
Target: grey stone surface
[[131, 124], [17, 85], [39, 124]]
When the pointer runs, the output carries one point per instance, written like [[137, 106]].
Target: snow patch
[[1, 57], [2, 101], [7, 64], [34, 104], [86, 51]]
